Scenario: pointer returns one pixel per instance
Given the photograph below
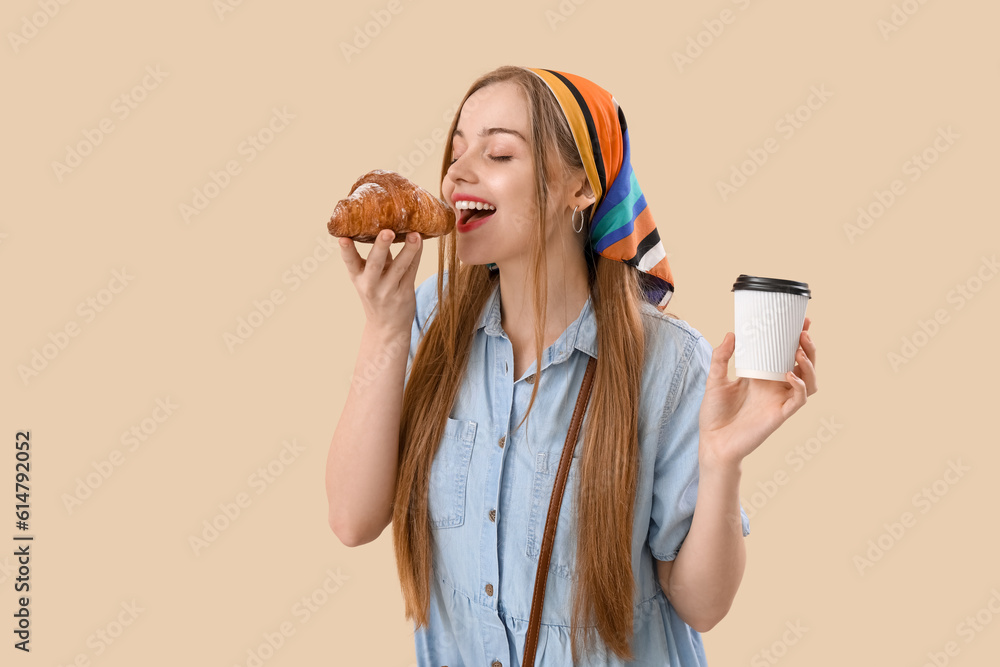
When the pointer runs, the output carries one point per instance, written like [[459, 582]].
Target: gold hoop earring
[[573, 220]]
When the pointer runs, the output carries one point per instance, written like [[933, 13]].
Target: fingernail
[[412, 238]]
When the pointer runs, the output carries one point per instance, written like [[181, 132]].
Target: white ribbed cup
[[767, 331]]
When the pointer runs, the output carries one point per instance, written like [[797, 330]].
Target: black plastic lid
[[771, 285]]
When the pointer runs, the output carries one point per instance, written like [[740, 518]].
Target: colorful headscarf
[[622, 228]]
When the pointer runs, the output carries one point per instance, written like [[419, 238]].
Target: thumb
[[719, 369]]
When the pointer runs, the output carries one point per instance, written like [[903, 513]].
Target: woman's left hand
[[738, 415]]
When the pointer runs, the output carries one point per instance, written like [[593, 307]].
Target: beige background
[[189, 281]]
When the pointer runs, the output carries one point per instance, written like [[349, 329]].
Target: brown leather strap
[[531, 641]]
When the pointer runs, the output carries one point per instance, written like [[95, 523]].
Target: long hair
[[603, 597]]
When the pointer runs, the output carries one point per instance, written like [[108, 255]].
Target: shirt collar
[[580, 335]]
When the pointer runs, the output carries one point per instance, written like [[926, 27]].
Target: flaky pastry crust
[[384, 199]]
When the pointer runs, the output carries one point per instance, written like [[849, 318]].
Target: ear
[[585, 194]]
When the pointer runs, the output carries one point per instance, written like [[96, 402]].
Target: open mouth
[[470, 211]]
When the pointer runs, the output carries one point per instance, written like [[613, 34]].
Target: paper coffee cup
[[770, 313]]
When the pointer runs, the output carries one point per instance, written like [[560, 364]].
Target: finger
[[411, 271], [806, 326], [719, 368], [406, 260], [806, 341], [797, 397], [379, 257], [349, 253], [806, 371]]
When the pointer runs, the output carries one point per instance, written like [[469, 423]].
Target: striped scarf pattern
[[622, 227]]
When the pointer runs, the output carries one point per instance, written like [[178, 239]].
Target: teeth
[[464, 204]]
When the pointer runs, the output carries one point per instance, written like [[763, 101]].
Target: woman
[[649, 547]]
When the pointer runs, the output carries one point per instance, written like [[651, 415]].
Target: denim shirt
[[490, 488]]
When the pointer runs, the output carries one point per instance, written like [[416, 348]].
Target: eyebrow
[[486, 132]]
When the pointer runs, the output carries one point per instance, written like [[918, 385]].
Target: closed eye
[[495, 158]]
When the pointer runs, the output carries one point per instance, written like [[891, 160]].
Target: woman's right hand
[[386, 285]]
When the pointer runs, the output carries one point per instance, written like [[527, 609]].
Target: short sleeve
[[426, 293], [675, 482]]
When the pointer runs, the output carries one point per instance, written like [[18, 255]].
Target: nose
[[460, 169]]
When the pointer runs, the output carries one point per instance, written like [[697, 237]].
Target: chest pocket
[[564, 546], [450, 474]]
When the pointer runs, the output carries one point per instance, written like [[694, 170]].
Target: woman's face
[[493, 162]]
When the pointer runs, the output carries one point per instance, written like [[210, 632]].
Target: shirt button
[[493, 515], [503, 439], [497, 663], [530, 379], [489, 589]]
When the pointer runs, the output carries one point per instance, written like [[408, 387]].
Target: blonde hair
[[604, 593]]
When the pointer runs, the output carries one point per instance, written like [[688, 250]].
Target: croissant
[[385, 200]]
